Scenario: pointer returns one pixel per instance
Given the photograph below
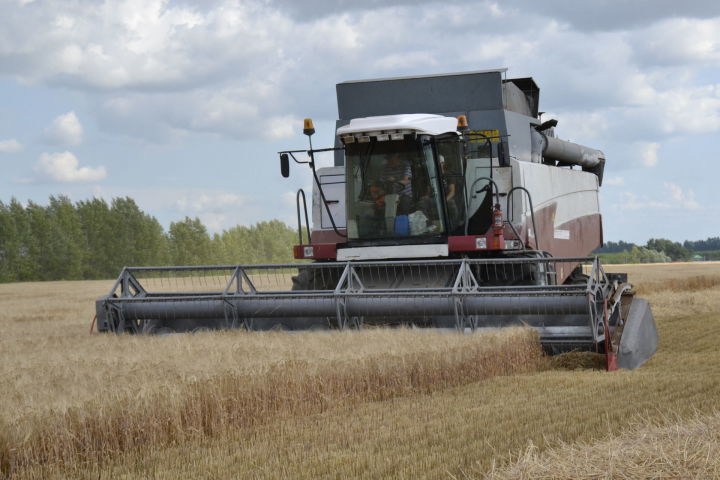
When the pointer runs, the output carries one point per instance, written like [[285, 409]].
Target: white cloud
[[324, 159], [209, 202], [675, 198], [166, 69], [691, 109], [217, 209], [679, 41], [649, 154], [682, 198], [618, 15], [242, 111], [282, 127], [140, 43], [405, 61], [633, 201], [214, 222], [614, 181], [289, 199], [10, 146], [64, 167], [66, 129]]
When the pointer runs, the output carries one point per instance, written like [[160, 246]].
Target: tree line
[[658, 250], [712, 243], [92, 239]]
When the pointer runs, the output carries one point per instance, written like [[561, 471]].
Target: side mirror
[[284, 165]]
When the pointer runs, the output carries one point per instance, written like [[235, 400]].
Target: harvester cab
[[451, 204], [405, 185]]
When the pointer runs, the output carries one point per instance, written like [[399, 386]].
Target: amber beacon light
[[308, 127], [462, 123]]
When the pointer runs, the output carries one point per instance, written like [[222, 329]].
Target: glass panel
[[392, 190], [478, 147], [450, 160]]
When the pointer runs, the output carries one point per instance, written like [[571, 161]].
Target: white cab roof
[[419, 122]]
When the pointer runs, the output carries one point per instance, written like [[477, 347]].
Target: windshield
[[393, 189]]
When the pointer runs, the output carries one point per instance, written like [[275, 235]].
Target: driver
[[398, 177]]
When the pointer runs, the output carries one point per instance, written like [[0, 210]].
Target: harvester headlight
[[481, 243], [383, 137], [363, 138], [348, 139], [397, 136], [512, 244], [308, 252]]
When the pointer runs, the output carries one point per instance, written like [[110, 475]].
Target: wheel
[[312, 279], [577, 277], [303, 280]]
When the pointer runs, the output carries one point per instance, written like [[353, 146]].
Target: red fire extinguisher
[[498, 240]]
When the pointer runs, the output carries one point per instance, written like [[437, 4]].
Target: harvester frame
[[591, 309], [421, 166]]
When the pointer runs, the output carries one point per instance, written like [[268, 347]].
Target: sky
[[183, 105]]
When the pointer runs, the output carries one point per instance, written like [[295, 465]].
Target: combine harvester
[[451, 205]]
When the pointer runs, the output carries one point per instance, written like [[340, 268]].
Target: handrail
[[447, 261], [532, 212], [301, 193]]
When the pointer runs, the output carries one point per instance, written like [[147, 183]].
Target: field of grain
[[371, 404], [679, 276]]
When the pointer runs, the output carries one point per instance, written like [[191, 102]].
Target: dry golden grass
[[459, 431], [222, 403], [451, 429], [675, 289], [72, 397], [652, 272], [681, 276], [688, 448], [578, 361]]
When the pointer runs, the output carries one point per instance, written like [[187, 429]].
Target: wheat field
[[370, 404]]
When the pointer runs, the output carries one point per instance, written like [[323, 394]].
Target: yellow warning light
[[462, 122], [308, 127]]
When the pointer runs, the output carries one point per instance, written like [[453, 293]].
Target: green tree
[[189, 242], [711, 243], [137, 238], [264, 242], [235, 246], [39, 243], [646, 255], [23, 258], [615, 247], [672, 249], [9, 245], [66, 241], [274, 241], [91, 239], [95, 217]]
